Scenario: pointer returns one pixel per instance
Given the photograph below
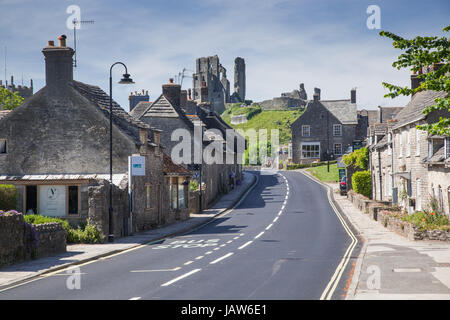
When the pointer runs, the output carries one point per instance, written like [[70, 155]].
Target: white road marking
[[216, 249], [156, 270], [189, 262], [282, 208], [209, 252], [275, 220], [180, 277], [236, 238], [222, 245], [244, 245], [199, 257], [221, 258], [269, 226], [135, 298], [279, 213], [229, 241], [259, 235]]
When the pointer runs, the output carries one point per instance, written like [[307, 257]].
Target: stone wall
[[20, 241], [381, 211], [12, 239], [51, 239]]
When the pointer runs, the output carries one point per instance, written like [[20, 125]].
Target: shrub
[[8, 197], [193, 185], [358, 158], [362, 183], [428, 220], [85, 233]]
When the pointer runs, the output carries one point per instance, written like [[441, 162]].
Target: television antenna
[[181, 75], [76, 23]]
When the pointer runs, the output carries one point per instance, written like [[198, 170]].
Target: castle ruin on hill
[[210, 73]]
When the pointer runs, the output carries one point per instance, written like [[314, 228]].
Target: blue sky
[[323, 44]]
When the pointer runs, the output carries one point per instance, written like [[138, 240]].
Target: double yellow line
[[332, 284]]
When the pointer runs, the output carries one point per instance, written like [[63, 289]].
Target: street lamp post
[[125, 80]]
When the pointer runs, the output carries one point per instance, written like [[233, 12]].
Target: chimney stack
[[316, 94], [172, 92], [353, 95], [134, 99], [189, 94], [58, 65], [183, 98]]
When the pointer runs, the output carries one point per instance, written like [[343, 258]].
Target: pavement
[[391, 267], [81, 253]]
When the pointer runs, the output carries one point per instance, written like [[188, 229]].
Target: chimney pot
[[62, 40], [171, 80], [51, 43]]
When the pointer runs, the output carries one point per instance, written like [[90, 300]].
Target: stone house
[[55, 150], [326, 126], [173, 110], [410, 167], [421, 165]]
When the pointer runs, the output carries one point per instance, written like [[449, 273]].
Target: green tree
[[9, 100], [423, 52]]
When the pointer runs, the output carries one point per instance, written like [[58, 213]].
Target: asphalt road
[[284, 241]]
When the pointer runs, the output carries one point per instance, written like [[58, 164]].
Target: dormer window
[[3, 146]]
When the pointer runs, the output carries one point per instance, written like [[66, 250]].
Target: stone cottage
[[173, 110], [56, 152], [326, 127], [410, 167]]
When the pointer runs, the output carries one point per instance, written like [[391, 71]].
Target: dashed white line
[[222, 245], [209, 252], [216, 249], [244, 245], [269, 226], [236, 238], [199, 257], [275, 220], [229, 241], [259, 235], [189, 262], [221, 258], [135, 298], [180, 277]]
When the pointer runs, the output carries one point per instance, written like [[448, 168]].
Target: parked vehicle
[[343, 186]]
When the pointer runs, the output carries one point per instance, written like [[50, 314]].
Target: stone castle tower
[[210, 73]]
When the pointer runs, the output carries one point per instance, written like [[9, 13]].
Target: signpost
[[136, 168]]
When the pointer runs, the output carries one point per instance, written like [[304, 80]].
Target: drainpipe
[[380, 175]]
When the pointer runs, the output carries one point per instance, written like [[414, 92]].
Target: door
[[31, 199]]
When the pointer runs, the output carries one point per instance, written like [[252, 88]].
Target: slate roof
[[121, 118], [3, 113], [413, 110], [439, 156], [388, 113], [140, 108], [170, 168], [343, 110], [162, 108]]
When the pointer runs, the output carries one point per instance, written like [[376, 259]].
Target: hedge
[[309, 165], [8, 197], [362, 183]]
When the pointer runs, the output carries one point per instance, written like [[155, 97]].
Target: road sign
[[341, 174], [137, 165]]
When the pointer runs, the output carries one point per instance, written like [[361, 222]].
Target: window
[[73, 199], [417, 142], [441, 199], [408, 143], [181, 202], [430, 148], [338, 149], [173, 195], [400, 143], [306, 131], [2, 146], [148, 199], [310, 150], [418, 196], [337, 130]]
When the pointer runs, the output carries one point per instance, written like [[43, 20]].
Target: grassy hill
[[264, 119]]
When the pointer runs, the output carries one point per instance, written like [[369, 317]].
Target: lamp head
[[126, 79]]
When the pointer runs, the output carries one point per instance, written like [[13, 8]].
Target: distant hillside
[[264, 119]]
